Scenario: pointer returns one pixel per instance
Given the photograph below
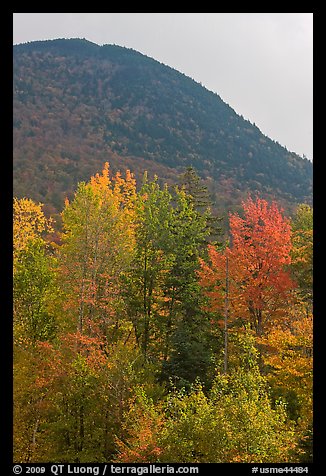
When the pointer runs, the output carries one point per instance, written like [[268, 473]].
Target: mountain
[[77, 105]]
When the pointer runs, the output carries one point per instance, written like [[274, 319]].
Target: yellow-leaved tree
[[98, 241], [29, 223]]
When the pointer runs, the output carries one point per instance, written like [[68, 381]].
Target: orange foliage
[[144, 427], [258, 280], [289, 354], [55, 363]]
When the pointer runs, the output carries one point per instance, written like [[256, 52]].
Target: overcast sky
[[259, 63]]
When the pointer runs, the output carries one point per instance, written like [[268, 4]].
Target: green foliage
[[34, 293], [161, 289], [192, 354], [117, 357], [29, 411], [234, 423], [302, 254], [202, 202], [151, 262]]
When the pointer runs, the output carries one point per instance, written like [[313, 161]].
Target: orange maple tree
[[259, 282]]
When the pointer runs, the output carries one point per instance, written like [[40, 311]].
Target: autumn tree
[[143, 424], [288, 358], [234, 422], [29, 223], [97, 243], [258, 259], [35, 302], [302, 252], [261, 245], [66, 378], [118, 329], [98, 240], [35, 289]]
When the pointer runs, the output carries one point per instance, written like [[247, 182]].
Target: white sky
[[259, 63]]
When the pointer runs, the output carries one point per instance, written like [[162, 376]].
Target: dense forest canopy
[[143, 334]]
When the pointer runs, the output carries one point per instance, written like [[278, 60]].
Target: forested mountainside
[[78, 105], [146, 329]]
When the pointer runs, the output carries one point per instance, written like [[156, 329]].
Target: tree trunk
[[226, 315], [259, 334]]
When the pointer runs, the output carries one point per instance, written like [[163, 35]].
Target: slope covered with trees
[[140, 337], [77, 105]]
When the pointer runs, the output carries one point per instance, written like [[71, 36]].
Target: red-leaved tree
[[259, 284]]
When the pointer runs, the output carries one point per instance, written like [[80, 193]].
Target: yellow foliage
[[290, 356], [29, 223]]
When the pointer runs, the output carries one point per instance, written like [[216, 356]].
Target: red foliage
[[258, 279]]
